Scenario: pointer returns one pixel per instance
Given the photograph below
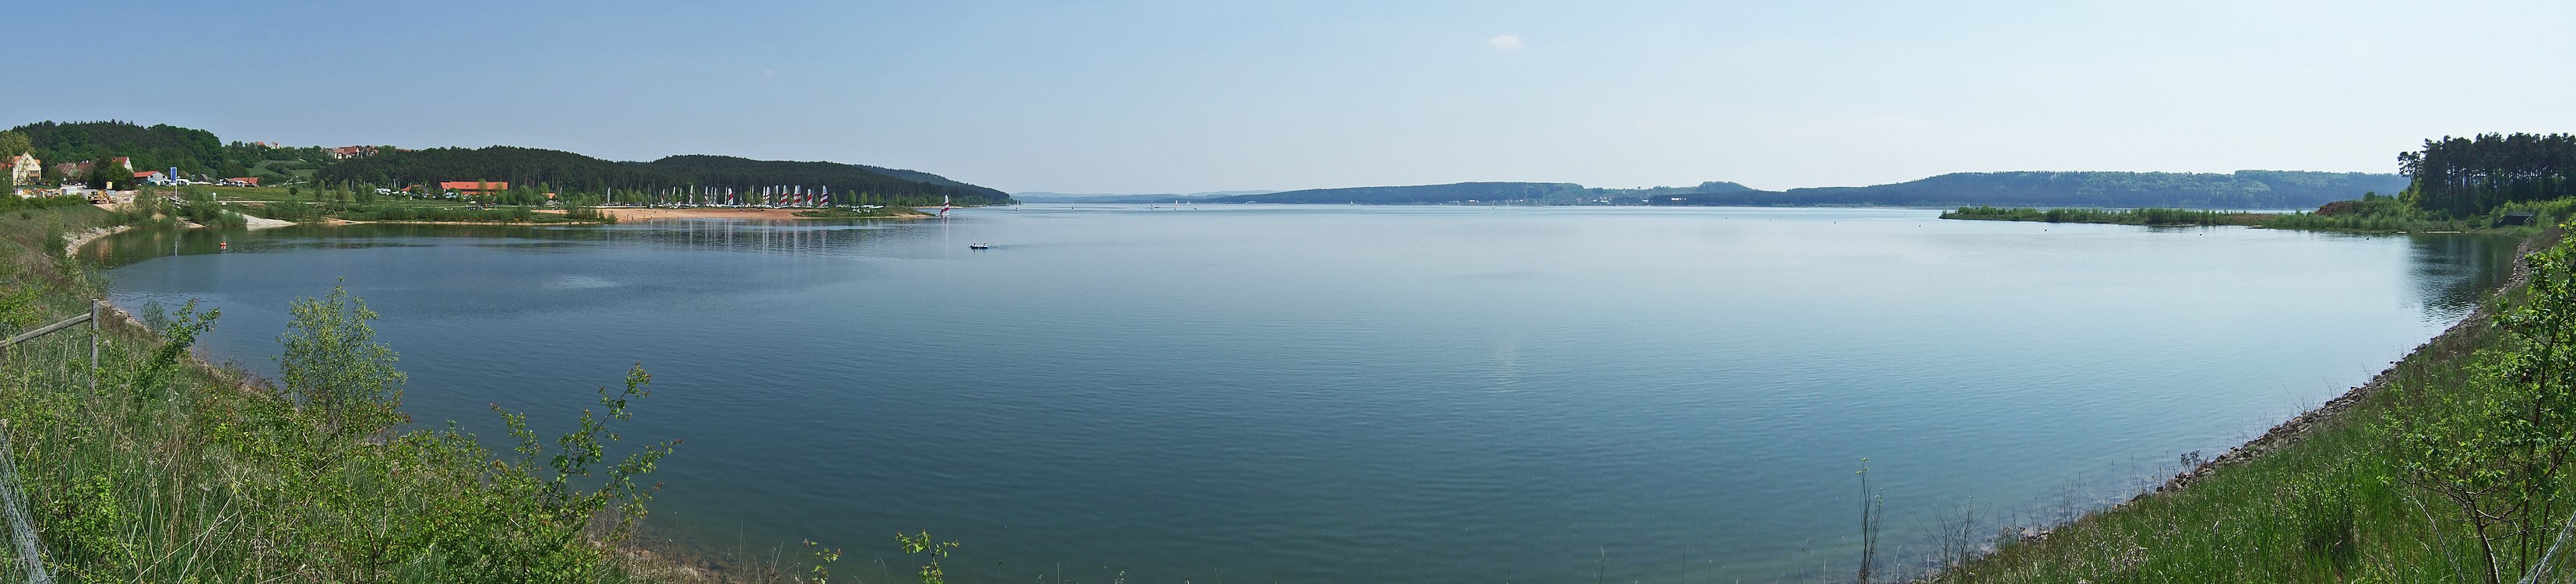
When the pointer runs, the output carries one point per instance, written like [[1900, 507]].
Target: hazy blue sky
[[1110, 96]]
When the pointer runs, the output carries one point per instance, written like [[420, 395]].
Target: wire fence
[[53, 357], [25, 553]]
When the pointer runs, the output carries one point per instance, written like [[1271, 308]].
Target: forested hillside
[[728, 171], [575, 172], [161, 146], [154, 147], [199, 153]]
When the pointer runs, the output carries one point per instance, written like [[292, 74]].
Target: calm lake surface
[[1361, 394]]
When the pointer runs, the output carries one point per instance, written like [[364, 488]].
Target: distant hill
[[2244, 189], [570, 171], [1450, 193], [1719, 186], [1050, 197]]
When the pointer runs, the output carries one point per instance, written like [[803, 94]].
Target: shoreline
[[2246, 219], [2492, 231], [2291, 431], [82, 239]]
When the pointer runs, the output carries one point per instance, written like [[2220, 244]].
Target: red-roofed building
[[474, 187], [247, 181], [353, 151]]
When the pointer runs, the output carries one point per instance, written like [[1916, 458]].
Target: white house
[[25, 169]]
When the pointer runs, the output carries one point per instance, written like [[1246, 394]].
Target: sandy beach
[[635, 214]]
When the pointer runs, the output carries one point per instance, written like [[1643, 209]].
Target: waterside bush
[[2145, 216]]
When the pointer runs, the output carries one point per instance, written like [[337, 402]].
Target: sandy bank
[[72, 248], [258, 222]]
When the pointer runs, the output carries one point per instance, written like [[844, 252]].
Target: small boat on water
[[978, 246]]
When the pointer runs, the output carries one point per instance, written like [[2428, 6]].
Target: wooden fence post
[[95, 306]]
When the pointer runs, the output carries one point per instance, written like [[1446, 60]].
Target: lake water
[[1361, 394]]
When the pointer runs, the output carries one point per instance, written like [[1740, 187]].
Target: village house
[[344, 152], [151, 177], [25, 169], [242, 181]]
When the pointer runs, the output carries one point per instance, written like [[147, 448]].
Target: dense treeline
[[147, 148], [579, 173], [498, 164], [744, 173], [2470, 176], [2146, 216], [155, 147]]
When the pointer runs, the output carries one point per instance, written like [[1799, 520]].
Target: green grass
[[305, 195], [281, 170]]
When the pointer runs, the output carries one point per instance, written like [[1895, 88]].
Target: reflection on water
[[791, 237], [488, 270], [2451, 272]]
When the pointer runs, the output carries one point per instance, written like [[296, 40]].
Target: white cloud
[[1505, 41]]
